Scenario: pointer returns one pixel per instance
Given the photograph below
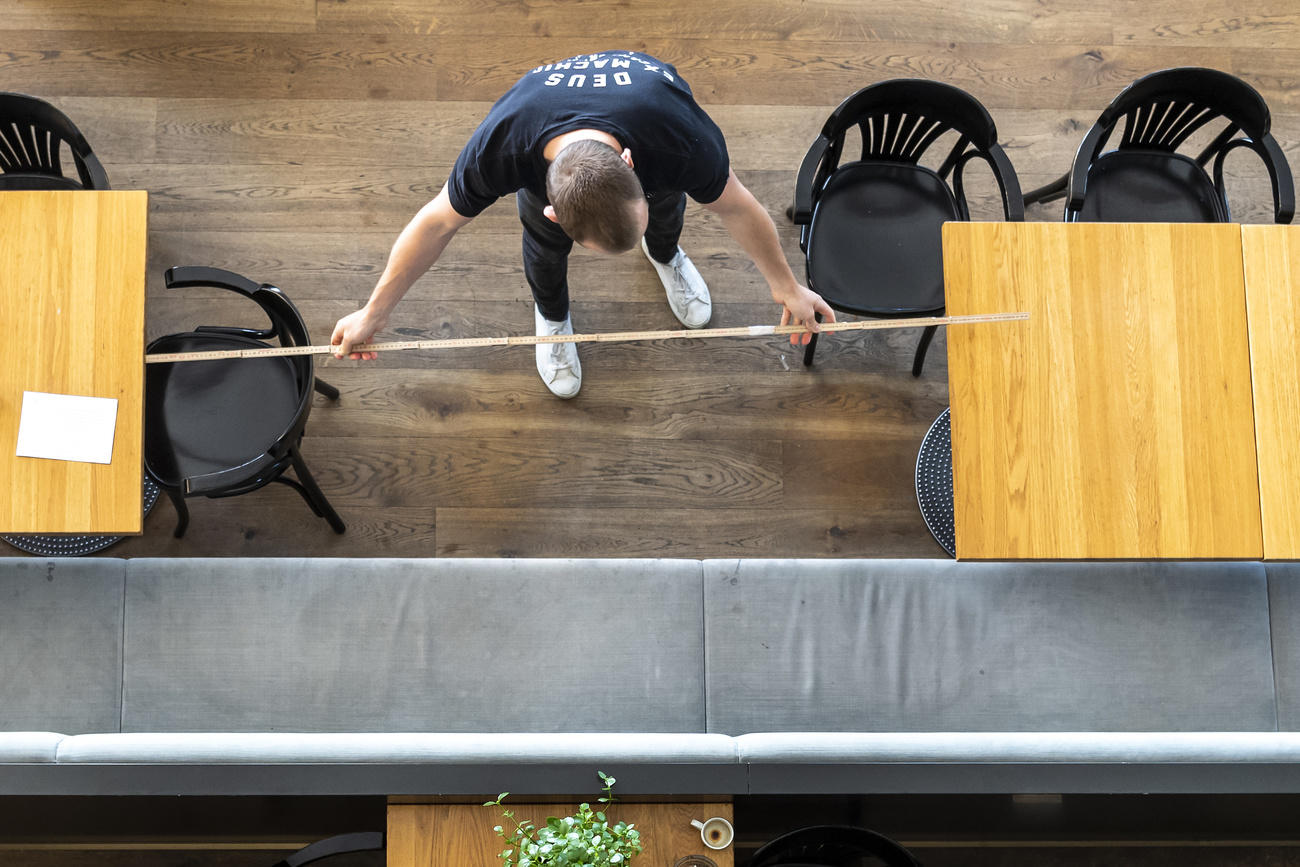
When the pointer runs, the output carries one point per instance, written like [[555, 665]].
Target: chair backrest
[[899, 120], [286, 323], [32, 133], [832, 846], [1161, 112], [342, 844]]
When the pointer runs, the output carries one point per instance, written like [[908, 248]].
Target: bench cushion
[[1284, 613], [1009, 747], [456, 645], [29, 747], [928, 645], [427, 748], [61, 644]]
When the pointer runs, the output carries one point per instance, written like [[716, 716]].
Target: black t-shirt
[[637, 99]]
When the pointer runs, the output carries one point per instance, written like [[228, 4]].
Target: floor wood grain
[[290, 140]]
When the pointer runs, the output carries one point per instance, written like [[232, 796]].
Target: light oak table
[[1117, 422], [440, 835], [1271, 259], [72, 268]]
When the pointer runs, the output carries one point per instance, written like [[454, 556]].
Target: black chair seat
[[875, 246], [1131, 186], [202, 417]]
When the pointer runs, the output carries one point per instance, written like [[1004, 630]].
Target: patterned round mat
[[69, 545], [934, 483]]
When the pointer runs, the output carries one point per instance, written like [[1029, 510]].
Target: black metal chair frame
[[342, 844], [287, 326], [32, 133], [1160, 112], [898, 121], [831, 846]]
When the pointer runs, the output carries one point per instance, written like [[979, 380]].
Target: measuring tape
[[608, 337]]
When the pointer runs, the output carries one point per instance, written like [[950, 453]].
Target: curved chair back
[[832, 846], [341, 844], [1160, 112], [32, 133], [1163, 109], [899, 120], [286, 323]]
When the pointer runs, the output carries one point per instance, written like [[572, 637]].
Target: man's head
[[596, 197]]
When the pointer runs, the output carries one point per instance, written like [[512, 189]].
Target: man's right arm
[[416, 249]]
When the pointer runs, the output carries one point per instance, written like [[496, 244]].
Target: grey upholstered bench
[[700, 677]]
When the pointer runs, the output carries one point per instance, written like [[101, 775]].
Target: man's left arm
[[748, 222]]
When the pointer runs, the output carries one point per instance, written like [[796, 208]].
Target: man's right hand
[[356, 329], [416, 249]]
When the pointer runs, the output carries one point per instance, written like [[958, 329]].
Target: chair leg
[[812, 346], [182, 510], [302, 492], [314, 496], [809, 350], [926, 336], [323, 387]]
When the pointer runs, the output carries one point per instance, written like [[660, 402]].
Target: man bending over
[[601, 149]]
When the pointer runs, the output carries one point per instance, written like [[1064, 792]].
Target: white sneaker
[[687, 293], [558, 362]]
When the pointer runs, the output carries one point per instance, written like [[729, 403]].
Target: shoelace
[[684, 287], [559, 361]]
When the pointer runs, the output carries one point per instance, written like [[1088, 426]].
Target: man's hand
[[800, 307], [417, 248], [752, 226], [356, 329]]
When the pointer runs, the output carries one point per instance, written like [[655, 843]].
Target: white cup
[[716, 833]]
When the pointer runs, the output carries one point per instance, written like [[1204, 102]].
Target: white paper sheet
[[67, 427]]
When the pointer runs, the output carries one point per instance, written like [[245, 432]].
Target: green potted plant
[[585, 839]]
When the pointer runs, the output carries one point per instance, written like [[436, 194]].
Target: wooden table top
[[437, 835], [72, 298], [1118, 421], [1271, 258]]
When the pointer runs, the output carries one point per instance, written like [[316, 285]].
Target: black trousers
[[546, 246]]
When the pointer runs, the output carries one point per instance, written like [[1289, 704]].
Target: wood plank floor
[[290, 140]]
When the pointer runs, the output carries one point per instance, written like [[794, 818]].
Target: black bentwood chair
[[832, 846], [32, 135], [1145, 178], [341, 844], [871, 227], [225, 427]]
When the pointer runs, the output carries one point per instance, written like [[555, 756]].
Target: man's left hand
[[800, 308]]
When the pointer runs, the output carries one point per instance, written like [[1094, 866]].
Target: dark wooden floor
[[290, 140]]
